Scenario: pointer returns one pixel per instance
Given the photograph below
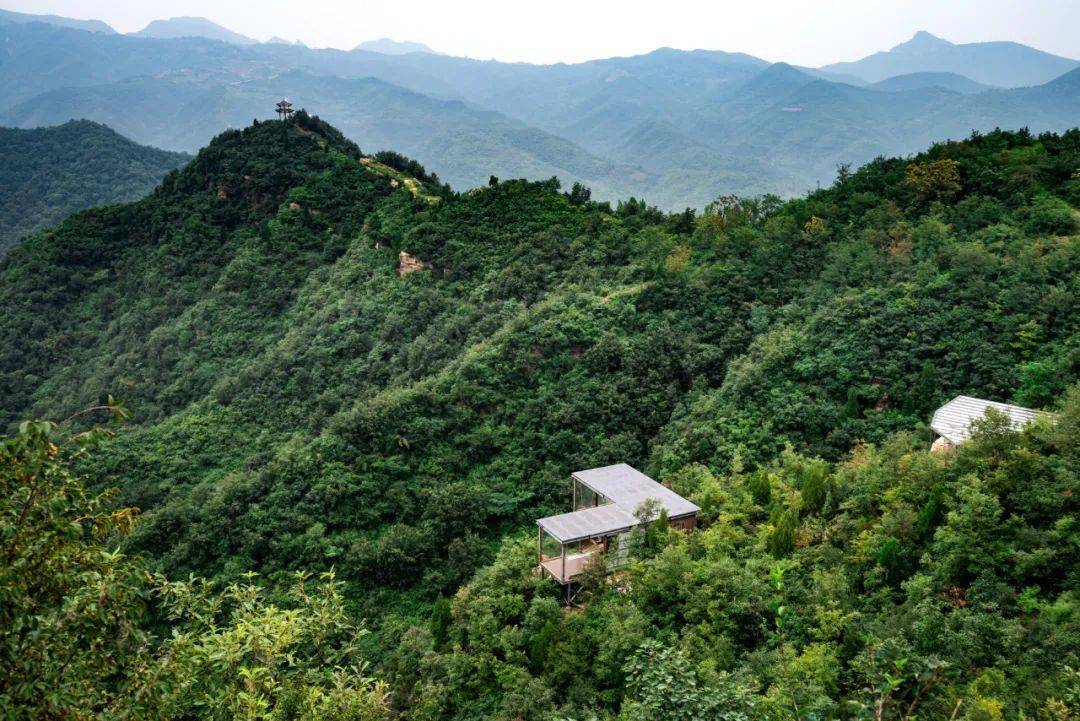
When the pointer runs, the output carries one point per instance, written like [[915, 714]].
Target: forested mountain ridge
[[300, 402], [48, 173]]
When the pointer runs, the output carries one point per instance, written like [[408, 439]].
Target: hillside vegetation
[[46, 174], [299, 404]]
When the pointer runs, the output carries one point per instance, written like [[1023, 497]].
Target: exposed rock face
[[410, 264], [942, 445]]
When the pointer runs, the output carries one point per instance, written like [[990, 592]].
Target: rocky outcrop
[[942, 445], [410, 264]]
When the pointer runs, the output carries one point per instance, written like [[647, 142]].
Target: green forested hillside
[[47, 174], [299, 405]]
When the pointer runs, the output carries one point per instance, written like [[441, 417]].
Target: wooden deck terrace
[[575, 564]]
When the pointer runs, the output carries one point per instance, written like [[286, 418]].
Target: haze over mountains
[[393, 47], [187, 27], [97, 26], [676, 127], [1003, 64], [920, 80]]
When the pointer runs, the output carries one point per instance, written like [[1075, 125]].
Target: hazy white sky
[[805, 32]]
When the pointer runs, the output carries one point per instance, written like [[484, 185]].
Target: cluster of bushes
[[898, 583], [90, 633], [46, 174]]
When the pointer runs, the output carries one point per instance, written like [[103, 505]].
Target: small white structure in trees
[[952, 423]]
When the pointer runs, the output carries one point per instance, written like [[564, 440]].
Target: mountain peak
[[55, 171], [783, 69], [192, 27], [779, 74], [1001, 64], [309, 143], [1068, 81], [921, 41], [923, 80]]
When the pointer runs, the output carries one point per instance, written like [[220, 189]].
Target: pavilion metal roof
[[627, 487], [953, 420], [624, 488], [588, 523]]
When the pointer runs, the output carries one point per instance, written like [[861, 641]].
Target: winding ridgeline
[[332, 360]]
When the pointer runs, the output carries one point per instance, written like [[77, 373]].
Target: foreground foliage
[[89, 633]]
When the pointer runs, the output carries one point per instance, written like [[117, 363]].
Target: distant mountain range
[[470, 144], [96, 26], [49, 173], [1004, 64], [677, 127]]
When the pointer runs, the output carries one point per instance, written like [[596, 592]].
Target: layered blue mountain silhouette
[[677, 127]]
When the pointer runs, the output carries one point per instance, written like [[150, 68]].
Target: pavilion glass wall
[[549, 547], [585, 497], [619, 550]]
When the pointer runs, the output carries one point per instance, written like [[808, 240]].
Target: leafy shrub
[[1051, 216]]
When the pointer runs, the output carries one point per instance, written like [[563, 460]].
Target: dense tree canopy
[[90, 634], [307, 399], [912, 583], [48, 173]]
